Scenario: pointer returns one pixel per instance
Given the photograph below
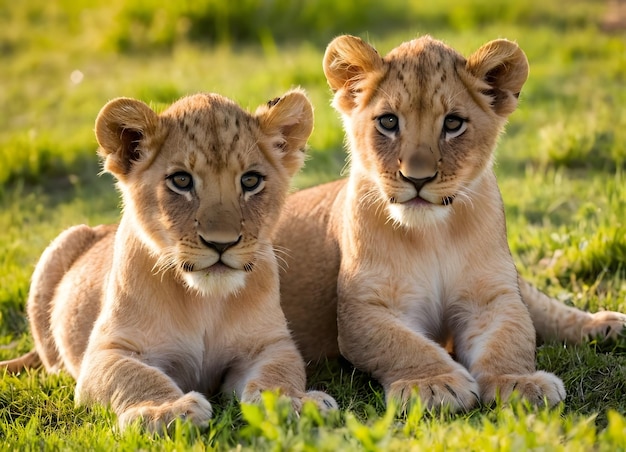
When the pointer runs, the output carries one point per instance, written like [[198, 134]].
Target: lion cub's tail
[[29, 360]]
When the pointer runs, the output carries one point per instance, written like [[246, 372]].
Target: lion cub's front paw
[[605, 325], [456, 390], [193, 407], [323, 401], [538, 388]]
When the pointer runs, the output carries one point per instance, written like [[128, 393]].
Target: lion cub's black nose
[[418, 182], [220, 247]]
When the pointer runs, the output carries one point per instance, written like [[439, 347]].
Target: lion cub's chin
[[421, 216], [218, 282]]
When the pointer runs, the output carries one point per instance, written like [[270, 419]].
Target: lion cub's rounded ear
[[288, 122], [504, 67], [347, 61], [121, 128]]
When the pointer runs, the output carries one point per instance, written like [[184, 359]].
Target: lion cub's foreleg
[[138, 392], [279, 367], [496, 342], [395, 337], [149, 369], [375, 337]]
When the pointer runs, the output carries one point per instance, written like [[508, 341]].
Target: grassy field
[[561, 167]]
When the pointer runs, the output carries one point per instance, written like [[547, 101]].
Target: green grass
[[561, 167]]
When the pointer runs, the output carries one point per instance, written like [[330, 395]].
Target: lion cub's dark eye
[[452, 123], [388, 122], [181, 181], [251, 181], [453, 126]]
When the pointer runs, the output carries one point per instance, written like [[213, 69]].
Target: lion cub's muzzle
[[418, 183], [219, 234], [218, 262], [418, 169], [219, 246], [220, 249]]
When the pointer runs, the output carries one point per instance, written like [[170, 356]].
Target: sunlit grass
[[560, 166]]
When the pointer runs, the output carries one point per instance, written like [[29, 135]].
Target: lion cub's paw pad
[[539, 388], [456, 391]]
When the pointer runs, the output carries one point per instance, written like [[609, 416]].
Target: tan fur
[[409, 254], [182, 298], [554, 321]]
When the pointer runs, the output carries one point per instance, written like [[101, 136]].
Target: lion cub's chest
[[427, 279], [422, 281], [193, 346]]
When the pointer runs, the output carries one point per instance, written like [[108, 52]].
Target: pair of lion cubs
[[406, 255]]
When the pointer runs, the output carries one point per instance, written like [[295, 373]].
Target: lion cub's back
[[306, 240], [65, 293]]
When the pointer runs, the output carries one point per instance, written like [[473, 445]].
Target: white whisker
[[279, 252], [268, 253], [166, 261]]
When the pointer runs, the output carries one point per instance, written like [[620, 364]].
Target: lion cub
[[182, 298], [408, 256]]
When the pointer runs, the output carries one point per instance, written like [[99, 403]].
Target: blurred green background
[[61, 60], [560, 163]]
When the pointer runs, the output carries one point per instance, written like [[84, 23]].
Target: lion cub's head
[[423, 121], [204, 181]]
